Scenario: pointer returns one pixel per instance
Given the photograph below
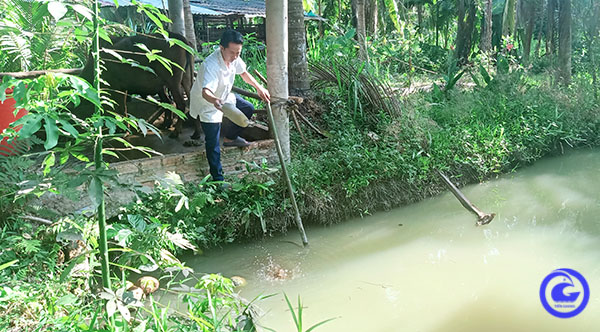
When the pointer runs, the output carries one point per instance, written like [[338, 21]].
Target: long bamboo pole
[[98, 157], [283, 167], [286, 176]]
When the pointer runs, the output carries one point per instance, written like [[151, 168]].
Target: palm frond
[[374, 94]]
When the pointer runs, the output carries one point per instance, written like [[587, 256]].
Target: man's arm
[[210, 97], [262, 92]]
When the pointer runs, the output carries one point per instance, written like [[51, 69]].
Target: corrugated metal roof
[[248, 8], [196, 9], [239, 7]]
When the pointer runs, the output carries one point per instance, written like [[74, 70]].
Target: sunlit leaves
[[57, 9]]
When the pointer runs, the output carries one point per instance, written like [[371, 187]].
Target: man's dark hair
[[231, 36]]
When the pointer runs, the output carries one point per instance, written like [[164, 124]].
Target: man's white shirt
[[218, 78]]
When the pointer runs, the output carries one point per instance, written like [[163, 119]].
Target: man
[[212, 90]]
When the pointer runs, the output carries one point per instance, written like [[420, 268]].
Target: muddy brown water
[[426, 267]]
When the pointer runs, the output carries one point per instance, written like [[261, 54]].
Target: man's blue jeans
[[212, 132]]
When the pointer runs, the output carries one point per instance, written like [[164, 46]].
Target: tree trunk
[[190, 31], [277, 68], [419, 18], [464, 33], [593, 29], [299, 84], [551, 8], [320, 13], [508, 19], [529, 16], [540, 30], [176, 16], [361, 32], [564, 40], [436, 24], [486, 38], [372, 16]]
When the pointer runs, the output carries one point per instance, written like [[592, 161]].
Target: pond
[[426, 267]]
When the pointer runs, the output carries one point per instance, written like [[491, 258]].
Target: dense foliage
[[416, 106]]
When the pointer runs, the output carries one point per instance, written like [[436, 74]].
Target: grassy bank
[[472, 135]]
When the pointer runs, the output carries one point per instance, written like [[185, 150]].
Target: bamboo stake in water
[[482, 217]]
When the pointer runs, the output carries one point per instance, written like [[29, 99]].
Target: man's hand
[[218, 104], [264, 94]]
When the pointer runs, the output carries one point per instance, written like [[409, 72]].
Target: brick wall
[[191, 166]]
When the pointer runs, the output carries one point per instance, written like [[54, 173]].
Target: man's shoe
[[239, 142], [224, 187]]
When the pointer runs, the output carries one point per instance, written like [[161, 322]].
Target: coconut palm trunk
[[176, 16], [564, 40], [277, 68], [299, 84], [508, 18], [486, 37], [361, 29], [464, 32], [550, 26], [190, 31]]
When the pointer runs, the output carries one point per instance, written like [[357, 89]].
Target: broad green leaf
[[64, 156], [142, 126], [20, 94], [168, 106], [32, 125], [69, 128], [137, 222], [95, 191], [68, 299], [86, 12], [112, 127], [392, 7], [103, 35], [51, 133], [49, 161], [122, 236]]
